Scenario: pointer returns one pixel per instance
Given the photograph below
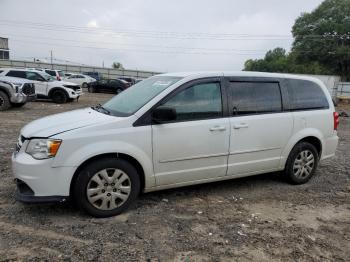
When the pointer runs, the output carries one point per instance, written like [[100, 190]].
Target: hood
[[60, 123], [67, 83]]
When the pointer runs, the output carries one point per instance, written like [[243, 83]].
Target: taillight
[[58, 78], [336, 120]]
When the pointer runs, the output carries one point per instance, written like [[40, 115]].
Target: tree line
[[321, 44]]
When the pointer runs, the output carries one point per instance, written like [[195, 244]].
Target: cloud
[[92, 24], [144, 36]]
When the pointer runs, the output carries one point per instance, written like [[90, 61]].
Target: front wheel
[[59, 97], [302, 163], [4, 101], [106, 187]]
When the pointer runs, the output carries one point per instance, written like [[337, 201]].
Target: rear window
[[306, 95], [255, 98], [14, 73], [61, 73]]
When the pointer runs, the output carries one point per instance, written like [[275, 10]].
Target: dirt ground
[[260, 218]]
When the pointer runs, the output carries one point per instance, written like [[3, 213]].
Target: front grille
[[28, 89]]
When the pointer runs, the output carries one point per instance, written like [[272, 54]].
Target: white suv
[[45, 86], [175, 130]]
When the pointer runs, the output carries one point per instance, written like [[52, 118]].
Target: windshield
[[136, 96], [47, 76]]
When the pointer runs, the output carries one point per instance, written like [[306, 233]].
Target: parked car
[[108, 85], [96, 75], [176, 130], [45, 86], [15, 92], [130, 80], [81, 80], [58, 74]]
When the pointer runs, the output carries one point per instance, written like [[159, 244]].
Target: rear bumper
[[330, 147]]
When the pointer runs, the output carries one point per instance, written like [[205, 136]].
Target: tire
[[91, 89], [59, 97], [4, 101], [17, 104], [119, 90], [103, 199], [84, 85], [302, 163]]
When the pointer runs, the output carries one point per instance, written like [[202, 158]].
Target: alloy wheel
[[304, 164]]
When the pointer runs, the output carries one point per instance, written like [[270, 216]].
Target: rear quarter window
[[306, 95]]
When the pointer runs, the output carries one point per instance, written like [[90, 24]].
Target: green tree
[[324, 36], [117, 65], [321, 44]]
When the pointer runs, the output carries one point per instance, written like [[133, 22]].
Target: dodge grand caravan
[[176, 130]]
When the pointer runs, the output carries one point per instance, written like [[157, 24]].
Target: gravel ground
[[258, 218]]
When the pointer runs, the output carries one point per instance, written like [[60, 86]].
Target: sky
[[157, 35]]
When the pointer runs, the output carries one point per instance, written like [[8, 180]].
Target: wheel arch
[[123, 156], [6, 91], [52, 90], [312, 136]]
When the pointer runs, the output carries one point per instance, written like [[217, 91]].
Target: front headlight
[[43, 148]]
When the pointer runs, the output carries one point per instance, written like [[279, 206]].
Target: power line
[[145, 34]]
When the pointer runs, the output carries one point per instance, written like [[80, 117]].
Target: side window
[[50, 72], [255, 98], [306, 95], [14, 73], [34, 76], [1, 71], [202, 101]]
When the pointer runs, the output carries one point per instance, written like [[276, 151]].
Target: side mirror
[[163, 114]]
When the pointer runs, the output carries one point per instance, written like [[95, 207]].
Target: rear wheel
[[59, 97], [119, 90], [106, 187], [84, 85], [4, 101], [302, 163], [91, 89]]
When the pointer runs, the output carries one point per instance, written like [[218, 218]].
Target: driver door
[[195, 146]]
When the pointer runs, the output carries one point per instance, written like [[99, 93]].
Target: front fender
[[90, 150], [307, 132]]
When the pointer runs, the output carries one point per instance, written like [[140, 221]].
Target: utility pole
[[103, 64], [51, 59]]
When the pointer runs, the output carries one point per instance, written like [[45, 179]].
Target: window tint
[[13, 73], [255, 98], [306, 95], [202, 101]]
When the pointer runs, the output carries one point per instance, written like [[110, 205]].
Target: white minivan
[[176, 130]]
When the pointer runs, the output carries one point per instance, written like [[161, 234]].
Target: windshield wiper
[[101, 109]]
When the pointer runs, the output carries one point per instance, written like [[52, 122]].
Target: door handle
[[239, 126], [217, 128]]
